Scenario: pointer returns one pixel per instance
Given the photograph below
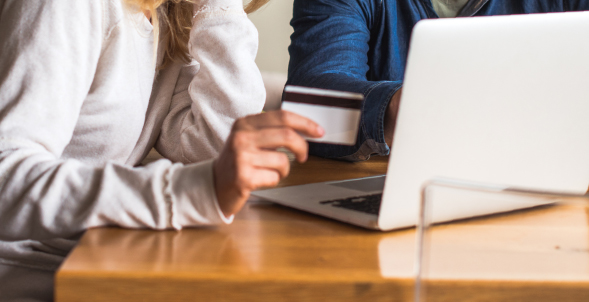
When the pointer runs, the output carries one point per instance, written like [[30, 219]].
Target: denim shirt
[[361, 46]]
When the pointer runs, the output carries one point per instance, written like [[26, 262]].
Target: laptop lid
[[499, 100]]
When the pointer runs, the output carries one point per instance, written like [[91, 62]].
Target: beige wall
[[274, 29]]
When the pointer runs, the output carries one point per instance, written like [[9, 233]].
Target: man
[[362, 46]]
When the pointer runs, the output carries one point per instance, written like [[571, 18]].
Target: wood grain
[[274, 253]]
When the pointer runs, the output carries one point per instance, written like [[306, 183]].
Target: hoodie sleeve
[[223, 83]]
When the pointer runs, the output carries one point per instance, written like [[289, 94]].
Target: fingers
[[272, 160], [281, 118], [273, 138], [250, 178], [233, 185], [246, 162], [264, 178], [269, 138]]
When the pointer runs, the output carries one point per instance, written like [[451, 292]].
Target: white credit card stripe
[[340, 124]]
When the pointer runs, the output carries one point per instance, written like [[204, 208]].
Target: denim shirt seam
[[378, 14], [382, 113], [428, 7], [373, 86], [366, 93]]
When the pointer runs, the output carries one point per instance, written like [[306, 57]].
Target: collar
[[471, 8]]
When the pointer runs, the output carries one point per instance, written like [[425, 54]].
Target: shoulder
[[65, 17], [113, 13], [75, 15], [57, 8]]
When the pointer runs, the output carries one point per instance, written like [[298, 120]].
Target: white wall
[[274, 29]]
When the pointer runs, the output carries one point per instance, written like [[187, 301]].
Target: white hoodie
[[79, 108]]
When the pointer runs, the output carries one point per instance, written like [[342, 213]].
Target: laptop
[[497, 100]]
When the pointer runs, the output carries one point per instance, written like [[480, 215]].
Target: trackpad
[[365, 184]]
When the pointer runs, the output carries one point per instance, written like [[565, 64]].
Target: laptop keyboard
[[366, 203]]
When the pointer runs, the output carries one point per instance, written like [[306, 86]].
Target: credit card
[[338, 112]]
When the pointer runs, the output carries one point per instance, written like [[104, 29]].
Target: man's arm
[[330, 49], [577, 5], [390, 118]]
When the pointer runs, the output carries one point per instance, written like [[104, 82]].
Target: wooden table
[[273, 253]]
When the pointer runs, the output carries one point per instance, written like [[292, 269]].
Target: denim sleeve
[[330, 49]]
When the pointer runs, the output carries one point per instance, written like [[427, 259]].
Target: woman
[[79, 108]]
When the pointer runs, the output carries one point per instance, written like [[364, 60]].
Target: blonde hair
[[176, 16]]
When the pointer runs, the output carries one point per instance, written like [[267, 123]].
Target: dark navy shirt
[[361, 46]]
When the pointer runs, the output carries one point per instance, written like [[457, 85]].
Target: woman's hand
[[249, 159]]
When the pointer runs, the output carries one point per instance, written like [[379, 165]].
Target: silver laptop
[[498, 100]]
